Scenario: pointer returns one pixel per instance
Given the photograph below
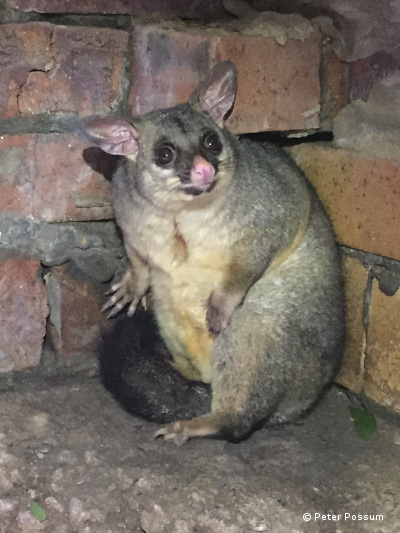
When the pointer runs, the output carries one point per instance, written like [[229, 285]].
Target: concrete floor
[[94, 468]]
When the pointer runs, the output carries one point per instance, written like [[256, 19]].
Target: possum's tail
[[135, 368]]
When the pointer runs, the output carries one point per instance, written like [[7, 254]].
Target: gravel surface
[[95, 469]]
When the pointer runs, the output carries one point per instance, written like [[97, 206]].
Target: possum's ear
[[217, 92], [112, 134]]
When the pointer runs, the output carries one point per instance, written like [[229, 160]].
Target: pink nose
[[202, 172]]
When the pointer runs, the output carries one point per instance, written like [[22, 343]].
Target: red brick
[[202, 8], [362, 74], [382, 361], [278, 85], [49, 68], [167, 67], [351, 374], [75, 315], [362, 196], [23, 312], [45, 176]]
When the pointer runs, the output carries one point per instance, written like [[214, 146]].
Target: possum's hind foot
[[179, 432]]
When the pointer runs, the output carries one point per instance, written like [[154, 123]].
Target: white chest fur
[[186, 257]]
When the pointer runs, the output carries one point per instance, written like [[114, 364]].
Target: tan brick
[[361, 195], [46, 176], [23, 312], [47, 68], [382, 362], [278, 85], [75, 315], [351, 374]]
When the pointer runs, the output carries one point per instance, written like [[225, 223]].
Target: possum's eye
[[165, 155], [212, 143]]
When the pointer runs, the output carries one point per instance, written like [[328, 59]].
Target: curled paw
[[174, 432], [220, 307], [179, 432], [123, 294]]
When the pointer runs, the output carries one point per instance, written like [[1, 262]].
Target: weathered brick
[[333, 89], [23, 312], [75, 315], [47, 68], [278, 86], [371, 128], [361, 75], [382, 361], [187, 8], [362, 196], [45, 176], [167, 66], [351, 374]]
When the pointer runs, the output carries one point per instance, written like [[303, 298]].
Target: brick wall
[[59, 247], [358, 179], [361, 194]]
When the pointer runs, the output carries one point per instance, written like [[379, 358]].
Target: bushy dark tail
[[135, 368]]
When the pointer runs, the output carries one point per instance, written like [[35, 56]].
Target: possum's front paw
[[220, 308], [124, 293]]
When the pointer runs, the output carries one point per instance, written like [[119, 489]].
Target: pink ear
[[217, 92], [112, 134]]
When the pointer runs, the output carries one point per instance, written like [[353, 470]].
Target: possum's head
[[180, 154]]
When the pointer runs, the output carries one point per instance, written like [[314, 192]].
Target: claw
[[114, 288], [117, 308], [118, 301], [173, 432], [122, 294], [132, 309], [179, 432], [110, 302]]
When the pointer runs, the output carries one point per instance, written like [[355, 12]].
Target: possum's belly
[[180, 300]]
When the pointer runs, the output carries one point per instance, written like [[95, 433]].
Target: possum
[[234, 248]]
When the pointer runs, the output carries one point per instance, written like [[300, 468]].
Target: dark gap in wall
[[119, 22], [13, 16], [385, 270], [372, 260], [367, 301], [42, 377], [124, 109], [43, 123], [283, 138]]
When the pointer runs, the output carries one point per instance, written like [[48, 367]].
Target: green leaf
[[37, 510], [364, 422]]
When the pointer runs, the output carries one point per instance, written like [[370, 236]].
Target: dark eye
[[165, 154], [212, 143]]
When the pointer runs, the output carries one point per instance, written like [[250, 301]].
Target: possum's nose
[[202, 172]]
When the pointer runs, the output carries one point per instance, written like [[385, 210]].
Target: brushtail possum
[[239, 258]]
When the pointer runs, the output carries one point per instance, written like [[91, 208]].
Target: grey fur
[[278, 311]]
